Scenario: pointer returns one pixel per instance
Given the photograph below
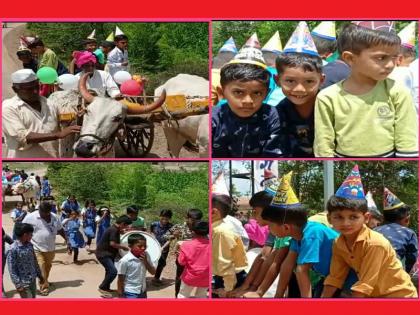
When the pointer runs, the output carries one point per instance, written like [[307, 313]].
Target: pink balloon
[[131, 88]]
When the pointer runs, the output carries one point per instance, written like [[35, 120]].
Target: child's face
[[215, 214], [348, 222], [258, 218], [26, 238], [73, 215], [140, 246], [25, 58], [373, 222], [300, 86], [244, 98], [164, 220], [374, 63], [132, 216], [122, 44], [278, 230], [91, 47]]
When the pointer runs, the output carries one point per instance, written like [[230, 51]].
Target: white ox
[[194, 129], [101, 118], [28, 189]]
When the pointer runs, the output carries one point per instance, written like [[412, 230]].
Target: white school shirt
[[134, 271], [20, 119], [414, 67], [101, 82], [114, 60], [43, 238], [238, 229]]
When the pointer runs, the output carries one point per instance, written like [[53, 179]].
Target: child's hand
[[20, 289]]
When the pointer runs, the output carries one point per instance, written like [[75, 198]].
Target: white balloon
[[121, 76], [67, 81]]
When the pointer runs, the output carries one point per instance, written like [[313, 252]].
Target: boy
[[107, 251], [366, 115], [17, 215], [25, 56], [300, 77], [229, 257], [245, 127], [395, 229], [159, 229], [133, 214], [118, 57], [380, 273], [310, 246], [22, 263], [102, 53], [132, 269], [376, 217]]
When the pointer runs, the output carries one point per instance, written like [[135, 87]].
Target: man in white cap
[[30, 124]]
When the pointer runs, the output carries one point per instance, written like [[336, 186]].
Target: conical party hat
[[28, 39], [22, 45], [118, 31], [325, 30], [385, 26], [270, 183], [219, 186], [110, 37], [372, 208], [273, 44], [285, 196], [253, 42], [391, 201], [249, 55], [352, 187], [229, 46], [301, 41], [92, 35], [408, 35]]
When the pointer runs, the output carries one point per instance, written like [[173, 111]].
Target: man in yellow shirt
[[379, 271], [229, 257]]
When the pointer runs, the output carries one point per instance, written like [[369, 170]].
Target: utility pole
[[328, 181]]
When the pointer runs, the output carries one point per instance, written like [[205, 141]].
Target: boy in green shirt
[[366, 115]]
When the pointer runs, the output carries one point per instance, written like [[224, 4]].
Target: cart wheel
[[140, 134]]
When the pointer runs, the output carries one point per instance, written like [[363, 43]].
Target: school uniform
[[134, 271]]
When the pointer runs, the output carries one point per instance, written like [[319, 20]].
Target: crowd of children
[[360, 105], [188, 243], [338, 253]]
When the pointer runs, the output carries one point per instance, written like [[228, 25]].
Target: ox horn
[[137, 109], [83, 89]]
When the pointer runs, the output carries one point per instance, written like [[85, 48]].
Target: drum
[[153, 246]]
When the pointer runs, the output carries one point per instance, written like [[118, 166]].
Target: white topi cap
[[24, 76]]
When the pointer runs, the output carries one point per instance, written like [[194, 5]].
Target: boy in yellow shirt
[[229, 257], [379, 271]]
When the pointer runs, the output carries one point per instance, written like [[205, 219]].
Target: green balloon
[[47, 75]]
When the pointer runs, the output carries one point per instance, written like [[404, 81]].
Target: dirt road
[[80, 281], [11, 64]]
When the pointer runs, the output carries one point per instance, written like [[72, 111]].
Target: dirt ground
[[80, 281], [10, 63]]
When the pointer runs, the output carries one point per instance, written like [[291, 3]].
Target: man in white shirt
[[30, 123], [99, 81], [118, 57], [46, 227]]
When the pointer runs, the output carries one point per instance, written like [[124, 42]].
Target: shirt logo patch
[[383, 111]]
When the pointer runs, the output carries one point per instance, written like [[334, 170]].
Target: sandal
[[44, 292]]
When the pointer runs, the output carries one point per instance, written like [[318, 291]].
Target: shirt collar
[[362, 236], [131, 256]]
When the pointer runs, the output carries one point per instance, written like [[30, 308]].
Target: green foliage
[[119, 185], [157, 50], [242, 30]]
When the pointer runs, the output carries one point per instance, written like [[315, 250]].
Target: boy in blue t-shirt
[[311, 244], [245, 127], [403, 239]]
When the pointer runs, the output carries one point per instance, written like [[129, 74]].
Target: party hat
[[385, 26], [92, 35], [22, 45], [372, 205], [249, 55], [301, 41], [110, 37], [273, 44], [352, 187], [219, 186], [118, 31], [270, 182], [408, 35], [229, 46], [285, 196], [28, 39], [325, 30], [391, 201], [253, 42]]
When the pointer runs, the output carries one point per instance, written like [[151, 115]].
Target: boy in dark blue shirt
[[300, 77], [245, 127], [395, 229]]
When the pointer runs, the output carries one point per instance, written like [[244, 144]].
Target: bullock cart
[[136, 135]]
